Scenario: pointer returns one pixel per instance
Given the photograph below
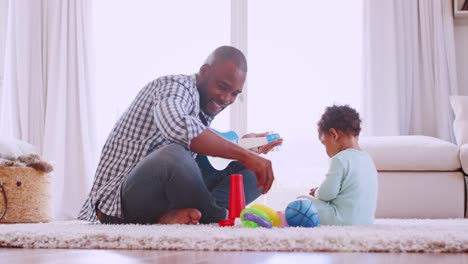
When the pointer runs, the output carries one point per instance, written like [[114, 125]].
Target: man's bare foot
[[186, 216]]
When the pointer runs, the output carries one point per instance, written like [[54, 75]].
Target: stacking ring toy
[[255, 218]]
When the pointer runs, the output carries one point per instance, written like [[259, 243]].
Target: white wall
[[461, 43]]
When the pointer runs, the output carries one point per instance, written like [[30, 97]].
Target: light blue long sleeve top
[[348, 195]]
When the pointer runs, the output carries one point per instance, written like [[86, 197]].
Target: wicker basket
[[24, 195]]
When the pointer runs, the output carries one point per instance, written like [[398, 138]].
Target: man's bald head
[[228, 53], [221, 79]]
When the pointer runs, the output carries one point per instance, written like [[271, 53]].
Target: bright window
[[303, 56], [141, 40]]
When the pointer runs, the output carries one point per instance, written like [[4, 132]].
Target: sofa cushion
[[464, 157], [411, 153], [460, 124]]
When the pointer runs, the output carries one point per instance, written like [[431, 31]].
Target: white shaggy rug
[[385, 235]]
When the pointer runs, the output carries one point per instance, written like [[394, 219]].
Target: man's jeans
[[169, 178]]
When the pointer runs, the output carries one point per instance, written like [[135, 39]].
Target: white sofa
[[419, 176]]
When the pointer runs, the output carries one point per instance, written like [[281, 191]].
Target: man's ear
[[333, 133], [204, 71]]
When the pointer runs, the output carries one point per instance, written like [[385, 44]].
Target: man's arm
[[171, 108], [211, 144]]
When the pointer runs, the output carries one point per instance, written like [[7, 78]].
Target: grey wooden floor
[[11, 255]]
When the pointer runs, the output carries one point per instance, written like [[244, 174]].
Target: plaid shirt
[[165, 111]]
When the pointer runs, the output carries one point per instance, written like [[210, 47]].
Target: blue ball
[[301, 213]]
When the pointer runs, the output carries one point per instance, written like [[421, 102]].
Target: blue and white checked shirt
[[165, 111]]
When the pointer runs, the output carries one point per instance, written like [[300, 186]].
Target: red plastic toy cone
[[236, 199], [236, 196]]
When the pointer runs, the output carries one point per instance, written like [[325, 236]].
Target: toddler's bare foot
[[186, 216]]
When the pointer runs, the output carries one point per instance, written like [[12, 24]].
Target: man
[[153, 167]]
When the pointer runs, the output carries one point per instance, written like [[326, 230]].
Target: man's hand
[[263, 170], [265, 148], [312, 191], [209, 143]]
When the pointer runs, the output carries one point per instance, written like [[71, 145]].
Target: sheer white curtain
[[47, 97], [409, 68], [3, 23]]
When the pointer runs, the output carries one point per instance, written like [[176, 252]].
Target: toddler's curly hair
[[340, 117]]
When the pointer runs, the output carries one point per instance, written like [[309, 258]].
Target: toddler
[[348, 195]]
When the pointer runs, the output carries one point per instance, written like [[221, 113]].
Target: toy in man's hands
[[247, 143]]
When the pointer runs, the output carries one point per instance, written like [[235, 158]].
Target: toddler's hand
[[312, 191]]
